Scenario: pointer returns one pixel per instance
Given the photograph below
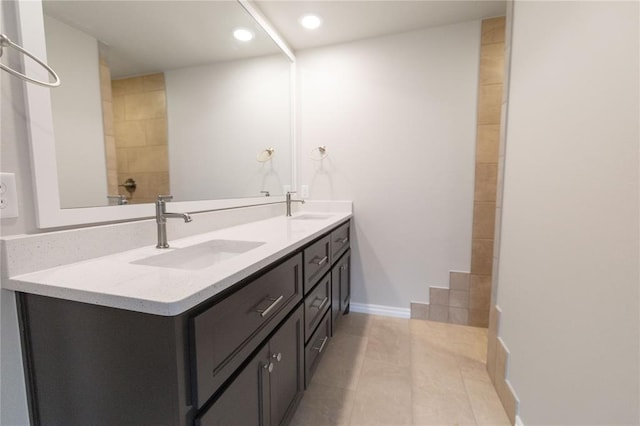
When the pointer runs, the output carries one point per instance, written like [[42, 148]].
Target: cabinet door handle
[[343, 267], [264, 312], [319, 262], [342, 240], [268, 367], [324, 301], [277, 357], [321, 347]]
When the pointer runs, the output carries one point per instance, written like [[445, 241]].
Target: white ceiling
[[345, 21], [143, 37]]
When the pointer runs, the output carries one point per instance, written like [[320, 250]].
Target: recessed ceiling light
[[310, 22], [243, 34]]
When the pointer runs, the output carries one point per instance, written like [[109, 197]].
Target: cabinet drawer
[[316, 346], [316, 303], [225, 334], [340, 238], [316, 262]]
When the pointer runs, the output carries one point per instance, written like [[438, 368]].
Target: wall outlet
[[8, 196], [304, 191]]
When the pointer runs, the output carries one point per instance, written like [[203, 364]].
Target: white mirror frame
[[42, 143]]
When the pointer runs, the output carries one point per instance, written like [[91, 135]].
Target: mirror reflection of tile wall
[[109, 132], [140, 126]]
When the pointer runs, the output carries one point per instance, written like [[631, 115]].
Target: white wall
[[569, 266], [212, 147], [77, 116], [14, 158], [398, 116]]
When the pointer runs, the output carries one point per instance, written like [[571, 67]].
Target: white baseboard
[[387, 311], [519, 421]]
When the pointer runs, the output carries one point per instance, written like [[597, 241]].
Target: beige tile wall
[[108, 125], [497, 364], [140, 128], [487, 153], [468, 298]]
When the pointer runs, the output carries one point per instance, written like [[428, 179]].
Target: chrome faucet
[[161, 219], [289, 201]]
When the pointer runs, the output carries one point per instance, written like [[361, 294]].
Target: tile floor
[[389, 371]]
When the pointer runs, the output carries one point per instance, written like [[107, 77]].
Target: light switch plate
[[8, 196], [304, 189]]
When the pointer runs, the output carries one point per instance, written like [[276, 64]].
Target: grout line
[[357, 390], [466, 391], [411, 376]]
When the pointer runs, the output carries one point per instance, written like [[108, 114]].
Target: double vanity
[[224, 327]]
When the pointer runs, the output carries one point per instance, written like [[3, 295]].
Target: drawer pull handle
[[277, 357], [319, 262], [324, 302], [321, 347], [342, 240], [265, 312]]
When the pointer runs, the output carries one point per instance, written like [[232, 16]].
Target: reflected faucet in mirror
[[161, 219], [117, 200]]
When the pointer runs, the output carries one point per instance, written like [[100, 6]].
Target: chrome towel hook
[[5, 42]]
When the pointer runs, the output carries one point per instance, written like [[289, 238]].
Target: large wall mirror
[[157, 98]]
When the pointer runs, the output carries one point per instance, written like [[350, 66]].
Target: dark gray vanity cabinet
[[268, 387], [242, 357], [327, 297], [89, 364]]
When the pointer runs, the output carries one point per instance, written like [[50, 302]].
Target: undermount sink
[[200, 255], [309, 216]]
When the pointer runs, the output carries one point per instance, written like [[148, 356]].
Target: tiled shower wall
[[109, 132], [487, 147], [468, 298], [140, 122]]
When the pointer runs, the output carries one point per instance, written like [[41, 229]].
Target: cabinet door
[[287, 379], [345, 282], [246, 400], [335, 296]]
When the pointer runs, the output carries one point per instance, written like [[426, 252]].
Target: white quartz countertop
[[116, 282]]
